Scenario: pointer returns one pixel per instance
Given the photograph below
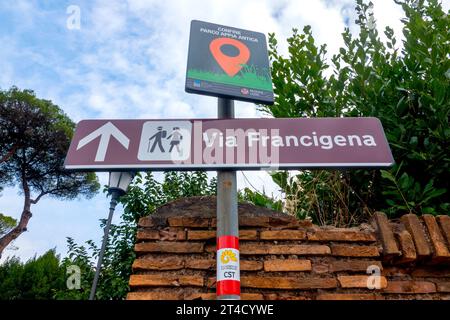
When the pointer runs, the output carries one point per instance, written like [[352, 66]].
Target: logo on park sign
[[228, 62]]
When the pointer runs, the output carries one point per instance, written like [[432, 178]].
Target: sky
[[127, 60]]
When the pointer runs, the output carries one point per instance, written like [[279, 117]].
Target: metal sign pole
[[114, 197], [228, 278]]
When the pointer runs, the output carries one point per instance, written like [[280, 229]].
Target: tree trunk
[[9, 154], [15, 232], [24, 218]]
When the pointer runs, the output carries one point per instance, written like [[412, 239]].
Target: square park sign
[[229, 63]]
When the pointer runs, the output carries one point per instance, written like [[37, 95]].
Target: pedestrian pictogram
[[157, 140], [175, 141], [165, 141]]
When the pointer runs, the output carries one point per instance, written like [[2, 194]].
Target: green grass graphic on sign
[[248, 77]]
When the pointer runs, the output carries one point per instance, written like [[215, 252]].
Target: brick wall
[[284, 258]]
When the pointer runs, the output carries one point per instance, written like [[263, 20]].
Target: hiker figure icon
[[175, 141], [158, 136]]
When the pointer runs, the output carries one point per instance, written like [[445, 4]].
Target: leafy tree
[[77, 256], [6, 224], [34, 138], [406, 87], [260, 199], [143, 197], [38, 278]]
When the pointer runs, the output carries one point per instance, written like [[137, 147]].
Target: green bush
[[406, 87], [143, 197], [37, 279]]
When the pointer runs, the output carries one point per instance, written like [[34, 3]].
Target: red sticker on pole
[[228, 277]]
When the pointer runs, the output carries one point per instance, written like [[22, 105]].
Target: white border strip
[[237, 166]]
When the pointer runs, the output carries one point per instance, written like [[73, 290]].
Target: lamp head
[[120, 181]]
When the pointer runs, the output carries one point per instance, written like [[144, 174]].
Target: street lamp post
[[118, 185]]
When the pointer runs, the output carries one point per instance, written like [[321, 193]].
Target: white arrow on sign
[[105, 132]]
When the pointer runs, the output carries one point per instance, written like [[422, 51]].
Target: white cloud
[[108, 19]]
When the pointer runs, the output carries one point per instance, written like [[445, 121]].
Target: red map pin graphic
[[231, 65]]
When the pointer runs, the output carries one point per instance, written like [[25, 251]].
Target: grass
[[248, 77]]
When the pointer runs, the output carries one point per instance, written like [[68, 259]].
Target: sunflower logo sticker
[[228, 264], [228, 256]]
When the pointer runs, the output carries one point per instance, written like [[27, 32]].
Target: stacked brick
[[416, 255], [284, 258]]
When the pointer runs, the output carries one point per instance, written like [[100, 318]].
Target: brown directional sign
[[209, 144], [228, 62]]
